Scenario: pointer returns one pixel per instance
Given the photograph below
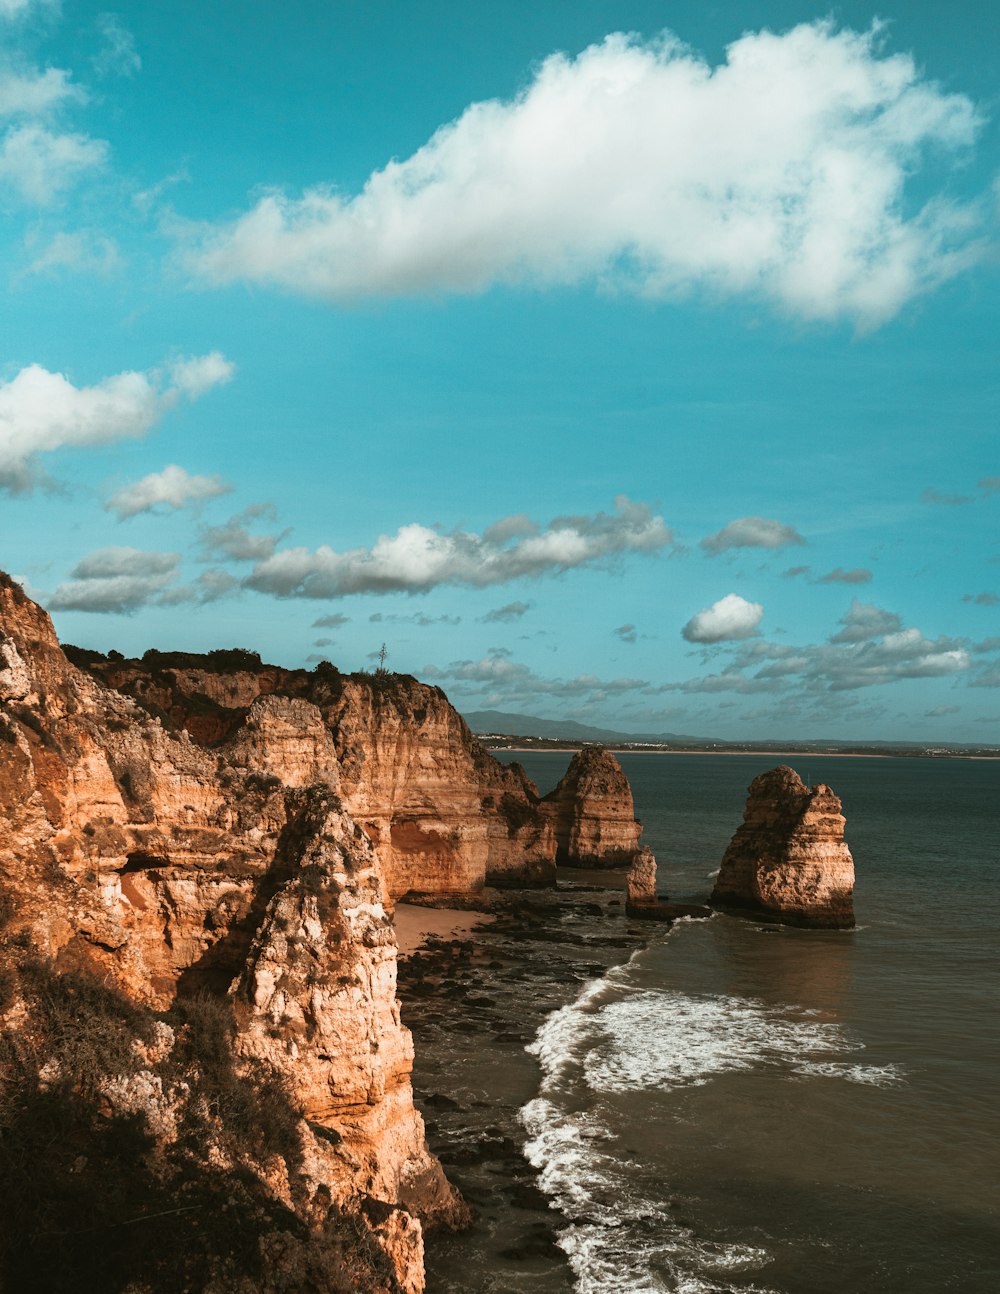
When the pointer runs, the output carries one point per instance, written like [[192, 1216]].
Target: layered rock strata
[[443, 815], [789, 859], [162, 871], [592, 812], [642, 901]]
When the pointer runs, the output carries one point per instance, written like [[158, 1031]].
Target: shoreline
[[473, 1004], [757, 754], [416, 927]]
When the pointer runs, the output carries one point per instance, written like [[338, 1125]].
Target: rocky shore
[[473, 1005]]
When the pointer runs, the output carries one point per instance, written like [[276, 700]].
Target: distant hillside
[[528, 725]]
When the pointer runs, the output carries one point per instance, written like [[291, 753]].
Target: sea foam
[[618, 1037]]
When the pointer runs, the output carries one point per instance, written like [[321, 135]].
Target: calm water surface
[[743, 1107]]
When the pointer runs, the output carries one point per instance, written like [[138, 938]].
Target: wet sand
[[416, 925]]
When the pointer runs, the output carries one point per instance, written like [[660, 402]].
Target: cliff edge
[[204, 1080]]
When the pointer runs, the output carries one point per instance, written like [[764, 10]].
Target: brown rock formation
[[640, 884], [157, 869], [592, 812], [444, 816], [789, 858]]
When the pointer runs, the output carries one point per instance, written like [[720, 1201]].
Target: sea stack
[[593, 814], [789, 859], [640, 884]]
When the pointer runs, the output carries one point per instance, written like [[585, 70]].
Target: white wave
[[617, 1242], [668, 1039], [871, 1075], [615, 1038]]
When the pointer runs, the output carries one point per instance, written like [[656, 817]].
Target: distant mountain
[[528, 725]]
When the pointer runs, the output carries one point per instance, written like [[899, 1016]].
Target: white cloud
[[36, 93], [39, 165], [118, 55], [19, 8], [417, 558], [751, 532], [41, 412], [731, 618], [83, 251], [173, 488], [779, 174], [193, 377], [115, 581]]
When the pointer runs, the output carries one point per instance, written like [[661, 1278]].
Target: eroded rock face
[[161, 868], [789, 858], [592, 812], [640, 884], [444, 816]]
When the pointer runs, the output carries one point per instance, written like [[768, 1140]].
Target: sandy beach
[[414, 925]]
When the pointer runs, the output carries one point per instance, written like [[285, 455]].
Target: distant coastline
[[522, 746]]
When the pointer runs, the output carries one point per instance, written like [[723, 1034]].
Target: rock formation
[[162, 884], [642, 901], [592, 812], [444, 816], [789, 858], [640, 884]]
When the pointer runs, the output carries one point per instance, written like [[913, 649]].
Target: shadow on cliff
[[108, 1135], [215, 970]]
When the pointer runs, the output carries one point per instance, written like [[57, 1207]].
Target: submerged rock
[[789, 858]]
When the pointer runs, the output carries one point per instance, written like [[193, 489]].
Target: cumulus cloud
[[115, 581], [627, 633], [751, 532], [794, 572], [508, 613], [417, 558], [731, 618], [172, 488], [41, 412], [237, 542], [990, 484], [865, 620], [35, 93], [874, 648], [331, 622], [982, 599], [39, 165], [780, 173], [940, 711], [857, 575]]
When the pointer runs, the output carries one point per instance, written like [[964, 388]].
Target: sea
[[730, 1105]]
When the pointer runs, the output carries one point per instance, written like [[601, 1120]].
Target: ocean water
[[738, 1106]]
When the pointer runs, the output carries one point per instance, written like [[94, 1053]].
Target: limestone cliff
[[592, 813], [443, 815], [789, 858], [160, 883]]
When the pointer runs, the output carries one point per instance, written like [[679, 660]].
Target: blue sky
[[630, 362]]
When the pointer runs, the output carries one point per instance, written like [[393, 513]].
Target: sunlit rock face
[[789, 858], [164, 868], [443, 815], [592, 812]]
